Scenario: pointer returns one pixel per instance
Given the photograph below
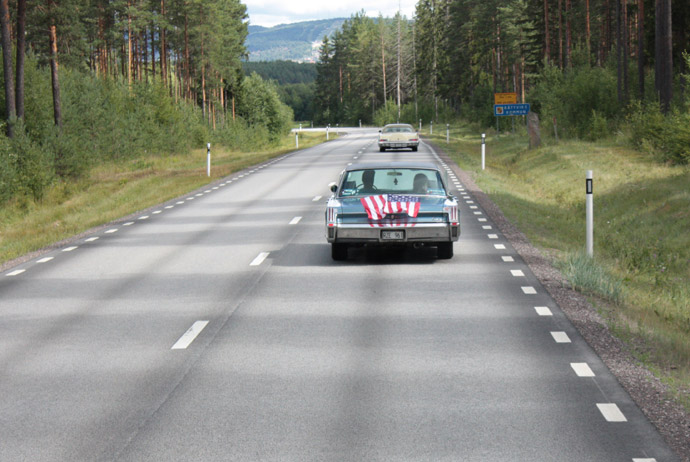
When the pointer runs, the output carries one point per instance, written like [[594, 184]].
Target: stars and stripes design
[[377, 207]]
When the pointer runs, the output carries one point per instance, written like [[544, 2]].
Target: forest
[[592, 65], [90, 81]]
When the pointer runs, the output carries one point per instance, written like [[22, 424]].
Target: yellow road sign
[[505, 98]]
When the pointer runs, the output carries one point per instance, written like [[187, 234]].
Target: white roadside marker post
[[420, 125], [431, 127], [483, 150], [208, 159], [589, 185], [296, 140], [327, 127], [447, 133]]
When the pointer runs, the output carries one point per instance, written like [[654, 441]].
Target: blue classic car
[[394, 204]]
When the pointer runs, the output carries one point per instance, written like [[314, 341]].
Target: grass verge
[[641, 264], [114, 190]]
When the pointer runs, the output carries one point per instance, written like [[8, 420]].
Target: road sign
[[511, 109], [505, 98]]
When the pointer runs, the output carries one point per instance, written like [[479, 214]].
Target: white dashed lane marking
[[111, 231], [507, 259], [492, 236], [582, 369], [295, 220], [129, 223], [500, 246], [529, 290], [91, 239], [316, 198], [543, 311], [259, 259], [517, 273], [69, 249], [145, 217], [560, 337], [44, 260], [611, 412], [189, 336], [15, 272]]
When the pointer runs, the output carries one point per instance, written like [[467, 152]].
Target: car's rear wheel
[[414, 148], [382, 149], [339, 251], [444, 250]]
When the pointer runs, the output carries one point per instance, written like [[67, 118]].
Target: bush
[[666, 137]]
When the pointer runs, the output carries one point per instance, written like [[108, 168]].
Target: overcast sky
[[272, 12]]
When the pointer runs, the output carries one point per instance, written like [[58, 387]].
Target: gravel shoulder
[[650, 394]]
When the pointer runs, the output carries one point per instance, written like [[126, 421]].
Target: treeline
[[295, 83], [95, 80], [590, 63]]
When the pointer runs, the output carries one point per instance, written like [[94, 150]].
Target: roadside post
[[327, 127], [431, 127], [420, 125], [360, 123], [208, 159], [300, 127], [589, 189], [296, 140], [483, 150], [447, 133]]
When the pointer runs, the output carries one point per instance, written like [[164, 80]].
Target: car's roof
[[380, 165], [397, 125]]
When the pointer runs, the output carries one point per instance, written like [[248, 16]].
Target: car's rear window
[[392, 181], [397, 130]]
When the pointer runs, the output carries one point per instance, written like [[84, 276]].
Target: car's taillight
[[383, 139], [414, 139], [452, 212], [332, 213]]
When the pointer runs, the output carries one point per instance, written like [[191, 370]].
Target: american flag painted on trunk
[[379, 206]]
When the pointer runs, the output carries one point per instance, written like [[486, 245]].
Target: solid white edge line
[[189, 336], [259, 259], [582, 369], [611, 412]]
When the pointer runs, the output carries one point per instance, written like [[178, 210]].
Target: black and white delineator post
[[208, 159], [589, 186], [483, 150]]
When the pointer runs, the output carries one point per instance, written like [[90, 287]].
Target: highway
[[216, 327]]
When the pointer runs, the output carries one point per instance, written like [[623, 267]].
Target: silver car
[[393, 204]]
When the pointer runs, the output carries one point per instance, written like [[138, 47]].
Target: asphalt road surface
[[216, 327]]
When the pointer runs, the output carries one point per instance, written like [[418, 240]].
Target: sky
[[269, 13]]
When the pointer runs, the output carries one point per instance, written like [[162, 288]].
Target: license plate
[[393, 235]]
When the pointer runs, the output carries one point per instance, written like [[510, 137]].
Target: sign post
[[208, 159], [589, 189]]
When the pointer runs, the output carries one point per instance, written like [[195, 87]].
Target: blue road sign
[[511, 109]]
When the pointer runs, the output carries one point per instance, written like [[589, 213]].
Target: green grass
[[641, 265], [118, 189]]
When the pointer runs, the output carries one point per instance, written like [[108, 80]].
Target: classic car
[[398, 136], [392, 204]]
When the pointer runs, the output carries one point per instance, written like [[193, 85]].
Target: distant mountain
[[298, 41]]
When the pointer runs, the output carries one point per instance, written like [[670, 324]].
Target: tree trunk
[[383, 67], [21, 53], [664, 55], [187, 78], [7, 66], [129, 47], [588, 34], [57, 110], [626, 52], [640, 47], [568, 36], [619, 51], [547, 39], [560, 34], [164, 53], [153, 53]]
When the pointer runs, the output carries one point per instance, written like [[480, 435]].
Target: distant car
[[396, 136], [392, 204]]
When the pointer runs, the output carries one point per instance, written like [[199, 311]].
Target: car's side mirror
[[333, 187]]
